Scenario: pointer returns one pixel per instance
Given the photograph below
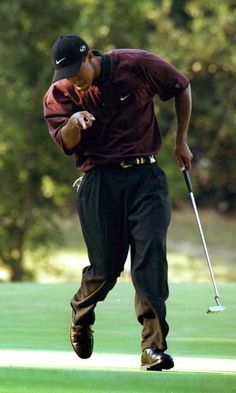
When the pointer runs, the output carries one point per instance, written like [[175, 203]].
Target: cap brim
[[66, 72]]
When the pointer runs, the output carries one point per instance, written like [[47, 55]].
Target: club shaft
[[204, 244]]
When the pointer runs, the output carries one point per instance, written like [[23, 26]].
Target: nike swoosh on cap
[[59, 61]]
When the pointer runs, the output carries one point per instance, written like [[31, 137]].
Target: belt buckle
[[123, 165]]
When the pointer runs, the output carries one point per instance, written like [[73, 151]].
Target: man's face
[[84, 79]]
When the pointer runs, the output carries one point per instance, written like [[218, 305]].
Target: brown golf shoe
[[81, 337], [154, 360]]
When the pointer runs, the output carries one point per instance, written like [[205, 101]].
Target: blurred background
[[40, 236]]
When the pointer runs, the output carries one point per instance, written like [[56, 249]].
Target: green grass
[[35, 316], [87, 381]]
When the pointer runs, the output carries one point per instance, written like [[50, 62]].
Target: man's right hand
[[81, 120], [71, 132]]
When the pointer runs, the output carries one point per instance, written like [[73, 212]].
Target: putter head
[[215, 309]]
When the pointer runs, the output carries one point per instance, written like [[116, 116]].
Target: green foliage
[[35, 175], [196, 36]]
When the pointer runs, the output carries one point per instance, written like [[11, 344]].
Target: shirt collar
[[105, 68]]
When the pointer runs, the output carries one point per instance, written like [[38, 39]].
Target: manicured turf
[[70, 381], [35, 316]]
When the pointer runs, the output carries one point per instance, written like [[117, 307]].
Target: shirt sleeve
[[58, 107], [163, 78]]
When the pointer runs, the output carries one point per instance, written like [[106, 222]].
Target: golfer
[[99, 109]]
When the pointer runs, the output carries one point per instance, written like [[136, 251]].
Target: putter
[[218, 307]]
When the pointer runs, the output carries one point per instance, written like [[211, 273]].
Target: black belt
[[137, 161]]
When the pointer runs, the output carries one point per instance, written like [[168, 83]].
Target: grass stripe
[[88, 381]]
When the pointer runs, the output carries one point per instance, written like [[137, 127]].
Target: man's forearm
[[71, 132], [71, 135], [183, 109]]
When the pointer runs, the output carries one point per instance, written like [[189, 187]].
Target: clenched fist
[[82, 119], [71, 132]]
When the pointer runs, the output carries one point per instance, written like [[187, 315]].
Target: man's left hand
[[183, 155]]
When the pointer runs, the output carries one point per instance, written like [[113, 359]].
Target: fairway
[[87, 381], [106, 361], [37, 317]]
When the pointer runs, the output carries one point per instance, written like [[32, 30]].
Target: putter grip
[[187, 180]]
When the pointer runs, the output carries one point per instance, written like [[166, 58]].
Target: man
[[100, 109]]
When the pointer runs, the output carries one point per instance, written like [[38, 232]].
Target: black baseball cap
[[68, 52]]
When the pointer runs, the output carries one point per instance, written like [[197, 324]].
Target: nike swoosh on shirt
[[59, 61], [124, 98]]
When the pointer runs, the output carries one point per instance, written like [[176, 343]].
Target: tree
[[35, 179], [196, 36], [212, 64]]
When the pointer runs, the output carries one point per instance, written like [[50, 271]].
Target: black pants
[[119, 208]]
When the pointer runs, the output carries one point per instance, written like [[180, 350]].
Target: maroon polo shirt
[[121, 101]]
